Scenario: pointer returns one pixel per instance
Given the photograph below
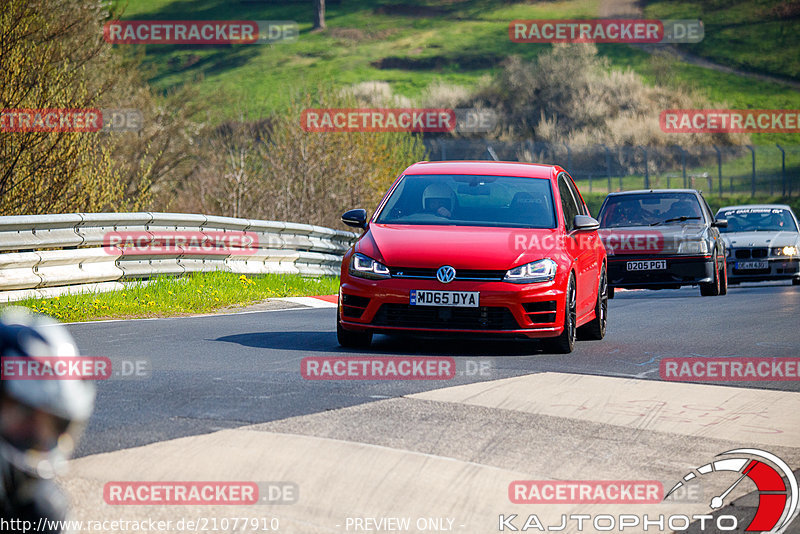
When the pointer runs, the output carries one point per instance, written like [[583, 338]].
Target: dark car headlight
[[365, 267], [535, 271], [694, 246]]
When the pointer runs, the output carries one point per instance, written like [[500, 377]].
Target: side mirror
[[355, 218], [584, 223], [720, 223]]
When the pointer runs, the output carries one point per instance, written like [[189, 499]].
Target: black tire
[[796, 281], [352, 340], [596, 328], [712, 289], [564, 343], [723, 280], [611, 292]]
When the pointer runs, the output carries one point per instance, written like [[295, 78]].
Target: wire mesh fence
[[716, 170]]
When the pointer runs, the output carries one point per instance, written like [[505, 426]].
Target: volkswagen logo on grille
[[445, 274]]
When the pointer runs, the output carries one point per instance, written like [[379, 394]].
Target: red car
[[476, 248]]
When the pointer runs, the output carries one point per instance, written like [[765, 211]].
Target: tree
[[319, 15], [52, 55]]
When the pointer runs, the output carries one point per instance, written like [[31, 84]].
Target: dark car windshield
[[651, 209], [757, 220], [471, 200]]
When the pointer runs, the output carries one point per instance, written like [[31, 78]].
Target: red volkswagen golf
[[476, 248]]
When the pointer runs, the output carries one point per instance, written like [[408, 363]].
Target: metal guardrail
[[42, 251]]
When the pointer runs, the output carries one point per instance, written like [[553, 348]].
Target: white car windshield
[[757, 220]]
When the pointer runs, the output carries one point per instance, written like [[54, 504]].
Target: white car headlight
[[785, 251], [365, 267], [535, 271], [693, 247]]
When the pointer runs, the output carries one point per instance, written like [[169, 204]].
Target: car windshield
[[757, 220], [470, 200], [651, 209]]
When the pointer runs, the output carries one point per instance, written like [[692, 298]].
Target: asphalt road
[[228, 371]]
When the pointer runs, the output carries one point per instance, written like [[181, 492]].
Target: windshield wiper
[[674, 219]]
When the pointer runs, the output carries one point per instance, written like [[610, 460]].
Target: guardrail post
[[753, 177], [783, 168]]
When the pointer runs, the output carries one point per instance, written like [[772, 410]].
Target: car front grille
[[461, 274], [445, 317], [747, 253]]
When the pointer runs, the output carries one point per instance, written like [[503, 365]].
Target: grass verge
[[174, 296]]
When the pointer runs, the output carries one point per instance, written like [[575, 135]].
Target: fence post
[[608, 166], [753, 177], [444, 150], [683, 163], [646, 170], [783, 167], [719, 169], [569, 159]]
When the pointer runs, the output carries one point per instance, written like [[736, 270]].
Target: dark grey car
[[663, 239]]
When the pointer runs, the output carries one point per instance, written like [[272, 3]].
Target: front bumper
[[506, 310], [778, 269], [680, 271]]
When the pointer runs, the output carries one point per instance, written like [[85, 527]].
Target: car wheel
[[611, 292], [352, 340], [564, 343], [711, 289], [596, 328], [796, 281], [723, 280]]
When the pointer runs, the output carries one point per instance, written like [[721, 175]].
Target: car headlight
[[785, 251], [536, 271], [693, 247], [365, 267]]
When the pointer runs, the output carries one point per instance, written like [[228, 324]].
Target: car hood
[[760, 239], [462, 247], [649, 239]]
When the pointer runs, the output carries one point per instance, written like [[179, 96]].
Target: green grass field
[[416, 43], [754, 35], [171, 296]]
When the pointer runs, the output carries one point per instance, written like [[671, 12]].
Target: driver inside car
[[439, 199]]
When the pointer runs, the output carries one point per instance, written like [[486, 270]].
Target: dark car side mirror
[[720, 223], [584, 223], [356, 218]]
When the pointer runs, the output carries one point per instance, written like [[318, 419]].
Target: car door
[[578, 244]]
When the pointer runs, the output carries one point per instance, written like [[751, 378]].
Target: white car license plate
[[752, 265], [460, 299], [647, 265]]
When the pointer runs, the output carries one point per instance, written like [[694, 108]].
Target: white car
[[762, 242]]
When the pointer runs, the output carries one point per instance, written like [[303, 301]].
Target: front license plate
[[647, 265], [752, 265], [460, 299]]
